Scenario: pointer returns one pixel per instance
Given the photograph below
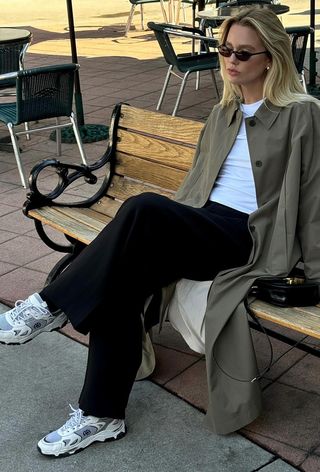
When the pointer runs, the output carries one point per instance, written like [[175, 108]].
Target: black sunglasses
[[240, 55]]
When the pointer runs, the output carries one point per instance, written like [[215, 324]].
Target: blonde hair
[[282, 85]]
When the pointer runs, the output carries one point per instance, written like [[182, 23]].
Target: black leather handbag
[[288, 291]]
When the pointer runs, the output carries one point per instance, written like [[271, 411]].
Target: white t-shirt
[[234, 186]]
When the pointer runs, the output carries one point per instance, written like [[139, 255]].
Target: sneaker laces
[[23, 309], [76, 419]]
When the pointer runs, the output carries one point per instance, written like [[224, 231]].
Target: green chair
[[41, 93], [299, 38], [11, 60], [134, 4], [184, 63], [12, 53]]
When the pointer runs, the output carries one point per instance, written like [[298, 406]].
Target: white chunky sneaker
[[79, 432], [27, 319]]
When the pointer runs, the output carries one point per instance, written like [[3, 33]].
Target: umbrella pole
[[89, 133], [77, 88]]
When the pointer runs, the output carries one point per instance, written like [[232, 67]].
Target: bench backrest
[[153, 152]]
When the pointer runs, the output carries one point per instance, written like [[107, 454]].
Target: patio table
[[218, 15], [12, 35], [230, 10], [211, 14]]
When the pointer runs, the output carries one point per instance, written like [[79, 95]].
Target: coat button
[[252, 122], [252, 228], [258, 164]]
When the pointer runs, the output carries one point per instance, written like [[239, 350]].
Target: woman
[[248, 207]]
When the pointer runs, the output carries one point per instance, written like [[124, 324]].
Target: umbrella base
[[5, 144], [89, 134]]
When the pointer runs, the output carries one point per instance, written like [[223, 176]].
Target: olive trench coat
[[284, 147]]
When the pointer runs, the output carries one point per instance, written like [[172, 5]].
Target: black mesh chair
[[41, 93], [199, 61], [11, 60], [299, 38]]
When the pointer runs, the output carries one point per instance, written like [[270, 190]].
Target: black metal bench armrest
[[67, 174]]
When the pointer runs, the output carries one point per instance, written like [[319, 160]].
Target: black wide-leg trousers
[[151, 242]]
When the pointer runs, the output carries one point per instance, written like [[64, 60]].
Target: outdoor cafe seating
[[134, 4], [41, 93], [14, 43], [299, 38], [187, 63], [171, 15]]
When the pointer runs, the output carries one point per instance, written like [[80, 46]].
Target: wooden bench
[[147, 151]]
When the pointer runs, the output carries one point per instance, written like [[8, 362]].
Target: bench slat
[[54, 218], [159, 124], [156, 174], [87, 216], [154, 150], [305, 320], [123, 188], [107, 206]]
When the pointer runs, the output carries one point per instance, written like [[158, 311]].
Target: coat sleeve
[[309, 201]]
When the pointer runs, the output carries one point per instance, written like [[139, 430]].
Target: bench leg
[[286, 339]]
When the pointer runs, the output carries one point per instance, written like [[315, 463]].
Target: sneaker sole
[[84, 444], [59, 322]]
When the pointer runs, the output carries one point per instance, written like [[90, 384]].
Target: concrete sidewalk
[[113, 69], [165, 434]]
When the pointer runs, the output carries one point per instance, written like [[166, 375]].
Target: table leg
[[170, 9], [164, 13], [177, 13], [173, 14]]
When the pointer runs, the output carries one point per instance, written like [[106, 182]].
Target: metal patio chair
[[134, 4], [41, 93], [199, 61], [299, 38], [12, 55]]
